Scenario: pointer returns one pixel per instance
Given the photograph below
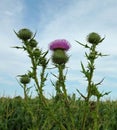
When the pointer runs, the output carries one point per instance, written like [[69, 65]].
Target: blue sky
[[54, 19]]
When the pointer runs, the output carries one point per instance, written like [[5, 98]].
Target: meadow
[[18, 114], [61, 111]]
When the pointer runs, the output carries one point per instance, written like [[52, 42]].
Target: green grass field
[[19, 114]]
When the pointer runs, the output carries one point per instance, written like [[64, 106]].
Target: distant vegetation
[[18, 114]]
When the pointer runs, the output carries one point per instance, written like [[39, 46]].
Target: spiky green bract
[[94, 38], [24, 79], [24, 34], [59, 57]]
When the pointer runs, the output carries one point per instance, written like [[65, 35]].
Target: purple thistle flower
[[60, 44]]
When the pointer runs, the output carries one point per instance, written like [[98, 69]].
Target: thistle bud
[[24, 34], [42, 61], [92, 55], [24, 79], [59, 57], [94, 38], [33, 43], [37, 52]]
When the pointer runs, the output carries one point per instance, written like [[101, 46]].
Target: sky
[[58, 19]]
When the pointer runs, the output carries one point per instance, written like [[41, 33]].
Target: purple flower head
[[60, 44]]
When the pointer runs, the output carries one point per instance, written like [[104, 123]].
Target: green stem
[[96, 116], [39, 87], [89, 87], [34, 68], [25, 92], [91, 71], [85, 115], [62, 79], [42, 80]]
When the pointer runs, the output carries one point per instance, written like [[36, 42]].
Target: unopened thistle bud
[[42, 61], [24, 34], [33, 43], [37, 52], [59, 57], [24, 79], [94, 38]]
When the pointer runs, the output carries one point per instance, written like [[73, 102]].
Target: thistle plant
[[93, 40], [60, 58], [37, 57], [24, 80]]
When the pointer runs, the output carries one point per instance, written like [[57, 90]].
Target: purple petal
[[59, 44]]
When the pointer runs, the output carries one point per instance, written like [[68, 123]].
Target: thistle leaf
[[16, 34], [102, 39], [80, 94], [54, 75], [17, 47], [106, 93], [100, 82], [45, 53], [83, 69], [52, 83], [85, 45]]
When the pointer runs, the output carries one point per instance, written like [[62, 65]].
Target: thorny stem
[[62, 79], [89, 79], [42, 84], [25, 92], [42, 80], [39, 87], [34, 68], [91, 71], [96, 116]]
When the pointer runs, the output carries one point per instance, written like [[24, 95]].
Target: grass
[[16, 114]]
